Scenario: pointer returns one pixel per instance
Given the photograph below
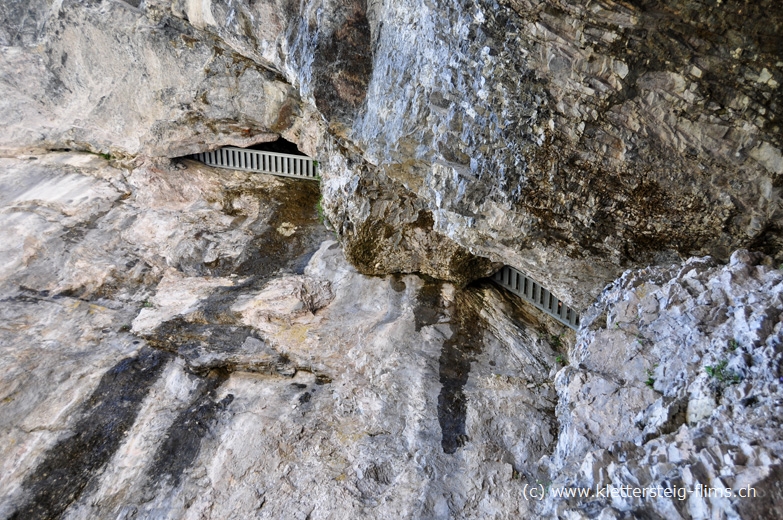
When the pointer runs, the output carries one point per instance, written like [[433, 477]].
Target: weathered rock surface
[[181, 349], [184, 342], [112, 78], [571, 142], [677, 381], [169, 79], [174, 350]]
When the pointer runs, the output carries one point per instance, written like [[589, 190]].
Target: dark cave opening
[[279, 146]]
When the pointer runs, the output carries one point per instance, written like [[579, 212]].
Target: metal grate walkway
[[522, 285], [283, 164]]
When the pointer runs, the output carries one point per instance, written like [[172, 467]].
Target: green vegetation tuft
[[319, 209], [721, 373], [650, 379]]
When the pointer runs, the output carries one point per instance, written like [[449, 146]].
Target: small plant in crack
[[721, 373], [561, 360], [733, 344], [319, 209], [147, 304], [650, 379]]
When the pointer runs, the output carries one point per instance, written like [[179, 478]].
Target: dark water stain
[[209, 346], [105, 418], [299, 264], [188, 339], [271, 251], [216, 308], [397, 284], [456, 356], [292, 202], [182, 442], [429, 303], [342, 62]]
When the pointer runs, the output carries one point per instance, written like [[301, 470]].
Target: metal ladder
[[529, 290], [283, 164]]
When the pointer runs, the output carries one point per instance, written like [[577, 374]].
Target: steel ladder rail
[[282, 164], [531, 291]]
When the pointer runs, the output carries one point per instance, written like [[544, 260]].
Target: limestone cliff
[[203, 349], [181, 341], [571, 141]]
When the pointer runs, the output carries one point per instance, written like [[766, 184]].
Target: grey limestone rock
[[241, 362]]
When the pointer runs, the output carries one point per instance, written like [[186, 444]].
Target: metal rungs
[[282, 164], [531, 291]]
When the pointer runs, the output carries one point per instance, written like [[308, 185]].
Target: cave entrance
[[280, 146], [279, 157]]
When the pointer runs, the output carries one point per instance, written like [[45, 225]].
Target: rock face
[[111, 78], [202, 349], [175, 349], [184, 342], [685, 365], [571, 142]]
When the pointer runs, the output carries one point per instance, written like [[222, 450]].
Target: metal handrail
[[283, 164]]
